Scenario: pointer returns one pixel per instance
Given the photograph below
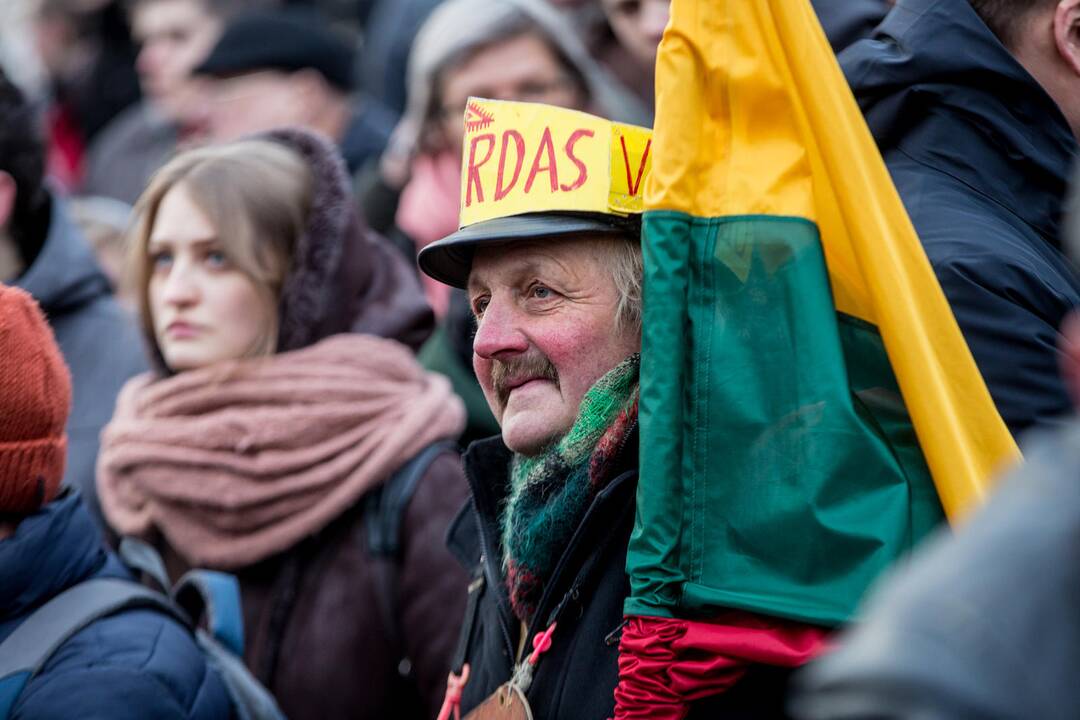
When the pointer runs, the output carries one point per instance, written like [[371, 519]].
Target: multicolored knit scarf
[[550, 493]]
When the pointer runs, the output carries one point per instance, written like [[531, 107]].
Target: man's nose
[[499, 333]]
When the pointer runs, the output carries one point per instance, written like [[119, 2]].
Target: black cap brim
[[449, 260]]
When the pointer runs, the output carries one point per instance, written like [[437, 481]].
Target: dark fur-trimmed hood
[[343, 277]]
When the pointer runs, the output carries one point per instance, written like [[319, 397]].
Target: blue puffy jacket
[[132, 665], [981, 156]]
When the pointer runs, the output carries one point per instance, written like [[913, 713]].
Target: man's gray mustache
[[530, 366]]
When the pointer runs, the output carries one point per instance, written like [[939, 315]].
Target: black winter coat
[[980, 155], [576, 678]]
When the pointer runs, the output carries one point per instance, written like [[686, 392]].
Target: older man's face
[[546, 333]]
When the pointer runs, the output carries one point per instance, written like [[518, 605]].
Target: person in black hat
[[289, 67]]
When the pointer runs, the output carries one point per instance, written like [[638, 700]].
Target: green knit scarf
[[550, 492]]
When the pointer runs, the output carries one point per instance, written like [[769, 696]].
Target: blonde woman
[[285, 399]]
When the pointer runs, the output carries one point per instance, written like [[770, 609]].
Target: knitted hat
[[35, 399]]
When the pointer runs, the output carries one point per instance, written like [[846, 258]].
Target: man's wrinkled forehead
[[505, 262]]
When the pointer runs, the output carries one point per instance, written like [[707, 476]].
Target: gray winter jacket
[[99, 340], [984, 624]]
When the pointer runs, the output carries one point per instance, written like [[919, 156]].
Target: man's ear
[[8, 192], [1067, 33]]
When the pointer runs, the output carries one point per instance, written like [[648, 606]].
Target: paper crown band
[[526, 157]]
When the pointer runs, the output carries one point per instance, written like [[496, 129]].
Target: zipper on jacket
[[493, 581]]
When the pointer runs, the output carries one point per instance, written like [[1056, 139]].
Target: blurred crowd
[[315, 145]]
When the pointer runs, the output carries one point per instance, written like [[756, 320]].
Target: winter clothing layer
[[343, 277], [550, 492], [384, 55], [129, 666], [980, 155], [36, 389], [845, 21], [99, 341], [981, 624], [239, 461], [367, 133], [332, 629], [127, 152], [576, 677]]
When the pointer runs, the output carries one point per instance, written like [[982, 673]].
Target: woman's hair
[[256, 194]]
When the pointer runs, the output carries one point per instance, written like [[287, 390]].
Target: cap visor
[[449, 260]]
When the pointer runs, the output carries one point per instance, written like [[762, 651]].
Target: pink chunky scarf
[[239, 461]]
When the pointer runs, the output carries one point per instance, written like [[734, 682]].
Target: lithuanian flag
[[808, 403]]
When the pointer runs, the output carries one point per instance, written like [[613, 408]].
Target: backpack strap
[[215, 598], [24, 653], [384, 513], [384, 507]]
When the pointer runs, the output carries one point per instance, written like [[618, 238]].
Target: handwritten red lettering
[[634, 184], [519, 142], [583, 170], [546, 146], [474, 167]]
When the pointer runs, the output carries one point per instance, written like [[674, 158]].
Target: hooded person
[[286, 411], [136, 663], [974, 106]]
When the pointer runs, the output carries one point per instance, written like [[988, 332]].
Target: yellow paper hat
[[531, 171]]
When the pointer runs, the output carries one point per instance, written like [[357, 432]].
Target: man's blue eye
[[216, 258], [541, 292]]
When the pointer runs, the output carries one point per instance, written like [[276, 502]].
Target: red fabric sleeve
[[664, 665]]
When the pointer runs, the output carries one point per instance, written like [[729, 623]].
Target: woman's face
[[204, 309], [522, 68]]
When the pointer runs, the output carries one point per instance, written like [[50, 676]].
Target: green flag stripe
[[787, 476]]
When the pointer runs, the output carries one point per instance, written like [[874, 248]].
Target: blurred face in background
[[175, 36], [522, 68], [261, 100], [638, 25], [204, 309]]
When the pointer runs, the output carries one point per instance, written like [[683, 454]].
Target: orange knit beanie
[[35, 399]]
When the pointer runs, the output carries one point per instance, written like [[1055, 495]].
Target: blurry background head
[[86, 49], [23, 200], [1044, 35], [276, 68], [638, 25], [173, 37], [500, 49], [104, 222], [210, 248]]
